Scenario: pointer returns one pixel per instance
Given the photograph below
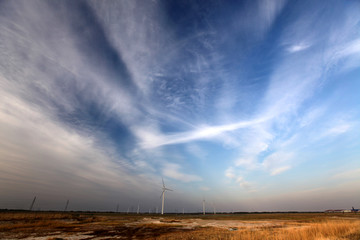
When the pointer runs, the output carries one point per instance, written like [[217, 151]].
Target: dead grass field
[[276, 226]]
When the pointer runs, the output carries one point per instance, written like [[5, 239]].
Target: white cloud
[[197, 151], [172, 170], [268, 11], [208, 132], [248, 163], [139, 36], [244, 184], [339, 129], [335, 128], [205, 189], [350, 174], [230, 173], [276, 171], [278, 162], [350, 48], [53, 154], [311, 116], [298, 47]]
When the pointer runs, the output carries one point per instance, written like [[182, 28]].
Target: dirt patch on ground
[[224, 224]]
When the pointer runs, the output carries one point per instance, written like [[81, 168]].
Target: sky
[[251, 105]]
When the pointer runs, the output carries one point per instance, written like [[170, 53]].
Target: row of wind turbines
[[164, 189], [162, 196]]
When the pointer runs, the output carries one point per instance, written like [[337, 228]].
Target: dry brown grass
[[328, 230], [302, 226]]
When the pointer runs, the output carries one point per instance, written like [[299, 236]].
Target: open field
[[277, 226]]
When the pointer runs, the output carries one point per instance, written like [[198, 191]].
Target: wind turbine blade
[[163, 182], [168, 189]]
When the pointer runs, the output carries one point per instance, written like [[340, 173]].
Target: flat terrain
[[279, 226]]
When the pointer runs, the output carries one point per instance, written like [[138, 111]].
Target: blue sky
[[252, 105]]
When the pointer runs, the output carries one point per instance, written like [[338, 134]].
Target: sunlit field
[[279, 226]]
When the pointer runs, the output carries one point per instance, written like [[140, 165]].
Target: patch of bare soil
[[224, 224]]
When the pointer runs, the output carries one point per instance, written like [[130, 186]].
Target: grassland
[[276, 226]]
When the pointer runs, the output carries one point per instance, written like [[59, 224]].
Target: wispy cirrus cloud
[[121, 92], [298, 47], [350, 174], [278, 162], [172, 170], [206, 132]]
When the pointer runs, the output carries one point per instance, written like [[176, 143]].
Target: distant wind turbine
[[203, 202], [164, 189], [138, 209], [32, 204], [214, 208], [66, 206]]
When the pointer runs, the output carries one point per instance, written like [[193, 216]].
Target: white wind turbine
[[203, 203], [163, 195]]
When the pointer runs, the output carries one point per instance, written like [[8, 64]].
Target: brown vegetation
[[329, 230], [294, 226]]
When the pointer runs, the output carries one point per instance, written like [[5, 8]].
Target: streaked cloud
[[350, 174], [108, 96], [172, 170], [297, 47]]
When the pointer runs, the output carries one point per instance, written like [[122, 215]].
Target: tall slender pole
[[32, 204], [138, 209], [117, 208]]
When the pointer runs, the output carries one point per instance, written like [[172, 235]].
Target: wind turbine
[[66, 206], [213, 208], [203, 203], [163, 195], [32, 204]]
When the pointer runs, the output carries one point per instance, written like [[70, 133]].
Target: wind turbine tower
[[203, 202], [32, 204], [164, 189], [214, 208], [66, 205]]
